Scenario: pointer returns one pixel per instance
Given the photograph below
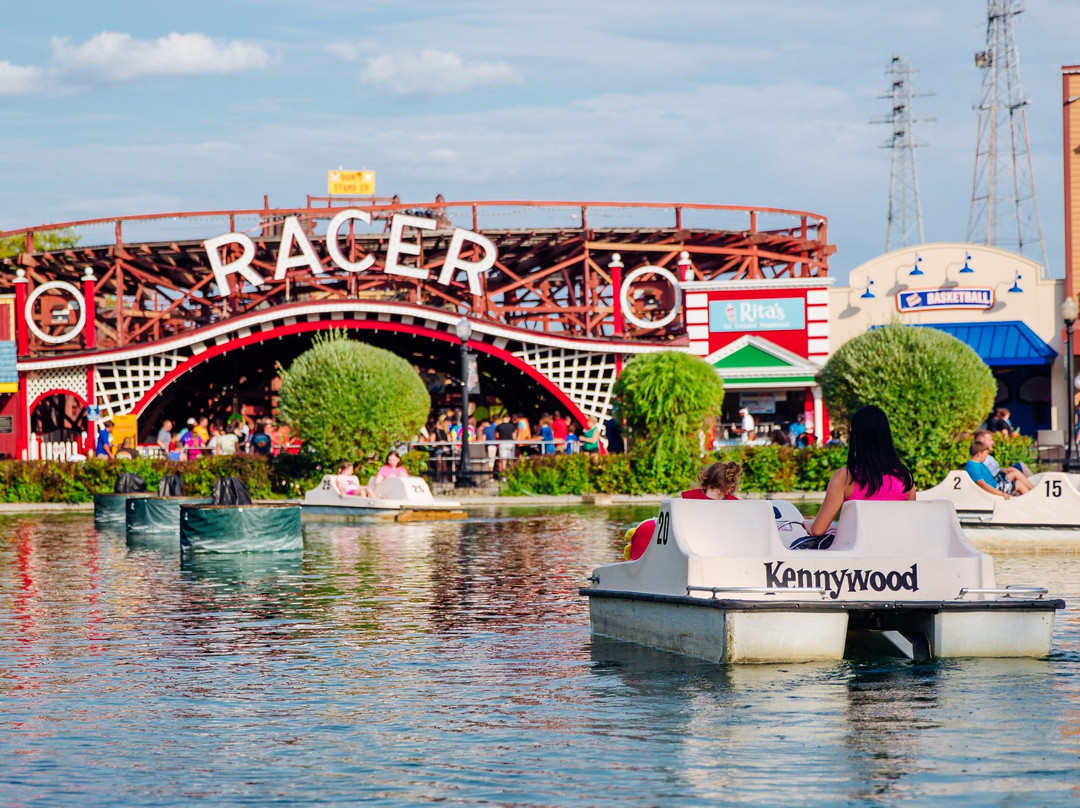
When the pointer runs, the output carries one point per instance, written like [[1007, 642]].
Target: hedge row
[[765, 469], [284, 475]]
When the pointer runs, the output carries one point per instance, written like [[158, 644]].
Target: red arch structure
[[552, 304]]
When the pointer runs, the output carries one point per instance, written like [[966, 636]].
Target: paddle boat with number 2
[[1046, 516], [719, 580]]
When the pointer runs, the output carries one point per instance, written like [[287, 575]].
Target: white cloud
[[346, 51], [120, 57], [433, 72], [20, 80]]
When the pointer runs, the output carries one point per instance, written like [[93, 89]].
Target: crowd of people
[[507, 437], [201, 437]]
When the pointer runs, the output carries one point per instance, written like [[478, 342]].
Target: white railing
[[54, 450]]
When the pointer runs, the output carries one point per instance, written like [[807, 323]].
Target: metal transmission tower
[[1004, 210], [905, 212]]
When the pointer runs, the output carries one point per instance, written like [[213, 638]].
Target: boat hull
[[1004, 537], [797, 631]]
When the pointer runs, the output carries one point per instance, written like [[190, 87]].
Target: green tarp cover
[[240, 528], [157, 514], [112, 507]]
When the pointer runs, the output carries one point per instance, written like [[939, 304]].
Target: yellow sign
[[351, 183], [125, 426]]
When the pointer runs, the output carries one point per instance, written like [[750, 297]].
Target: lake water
[[406, 664]]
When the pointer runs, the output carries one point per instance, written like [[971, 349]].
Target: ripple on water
[[401, 664]]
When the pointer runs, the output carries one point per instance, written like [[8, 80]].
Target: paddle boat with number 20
[[720, 581]]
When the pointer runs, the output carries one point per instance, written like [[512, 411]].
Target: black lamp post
[[463, 329], [1068, 314]]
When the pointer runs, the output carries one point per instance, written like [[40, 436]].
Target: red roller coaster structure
[[554, 274]]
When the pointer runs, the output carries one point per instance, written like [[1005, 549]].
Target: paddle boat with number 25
[[720, 581], [1046, 516], [402, 498]]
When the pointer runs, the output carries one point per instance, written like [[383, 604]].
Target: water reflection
[[453, 662]]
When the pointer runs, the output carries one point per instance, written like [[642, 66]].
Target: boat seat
[[1054, 500], [900, 529], [962, 491]]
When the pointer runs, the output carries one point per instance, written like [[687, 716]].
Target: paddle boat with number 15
[[719, 582], [1046, 517]]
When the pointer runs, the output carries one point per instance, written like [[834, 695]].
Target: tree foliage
[[352, 401], [45, 241], [933, 387], [665, 398]]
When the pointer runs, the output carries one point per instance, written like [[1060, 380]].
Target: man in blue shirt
[[104, 447], [976, 468]]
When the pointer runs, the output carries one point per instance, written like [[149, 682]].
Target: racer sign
[[293, 238]]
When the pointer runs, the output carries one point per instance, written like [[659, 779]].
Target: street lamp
[[463, 329], [1068, 314]]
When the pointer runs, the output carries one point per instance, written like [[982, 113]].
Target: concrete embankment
[[468, 498]]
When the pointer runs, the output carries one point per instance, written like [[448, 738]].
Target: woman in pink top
[[391, 468], [873, 470]]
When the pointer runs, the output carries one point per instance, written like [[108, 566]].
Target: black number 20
[[662, 523]]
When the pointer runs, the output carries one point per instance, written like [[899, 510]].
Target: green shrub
[[766, 469], [54, 481], [665, 398], [932, 386], [351, 401]]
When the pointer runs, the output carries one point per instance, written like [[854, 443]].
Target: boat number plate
[[663, 521], [1053, 488]]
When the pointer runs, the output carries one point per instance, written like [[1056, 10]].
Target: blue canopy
[[1006, 343]]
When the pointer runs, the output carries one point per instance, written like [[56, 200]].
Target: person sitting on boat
[[1011, 480], [391, 468], [979, 472], [347, 485], [873, 471], [717, 481]]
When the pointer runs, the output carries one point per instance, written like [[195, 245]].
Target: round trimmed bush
[[933, 387], [351, 401], [665, 398]]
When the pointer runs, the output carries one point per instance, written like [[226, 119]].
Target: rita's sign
[[294, 239], [957, 298], [773, 314]]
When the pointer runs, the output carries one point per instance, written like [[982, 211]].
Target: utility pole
[[1004, 210], [905, 227]]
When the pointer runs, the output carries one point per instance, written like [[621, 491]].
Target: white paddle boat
[[402, 498], [1046, 517], [720, 582]]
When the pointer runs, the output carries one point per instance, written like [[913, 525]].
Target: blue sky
[[115, 108]]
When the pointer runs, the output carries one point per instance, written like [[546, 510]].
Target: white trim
[[751, 384], [775, 283], [295, 312], [798, 364], [817, 329], [696, 332], [697, 316], [697, 300]]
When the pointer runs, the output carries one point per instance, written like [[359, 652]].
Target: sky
[[119, 108]]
